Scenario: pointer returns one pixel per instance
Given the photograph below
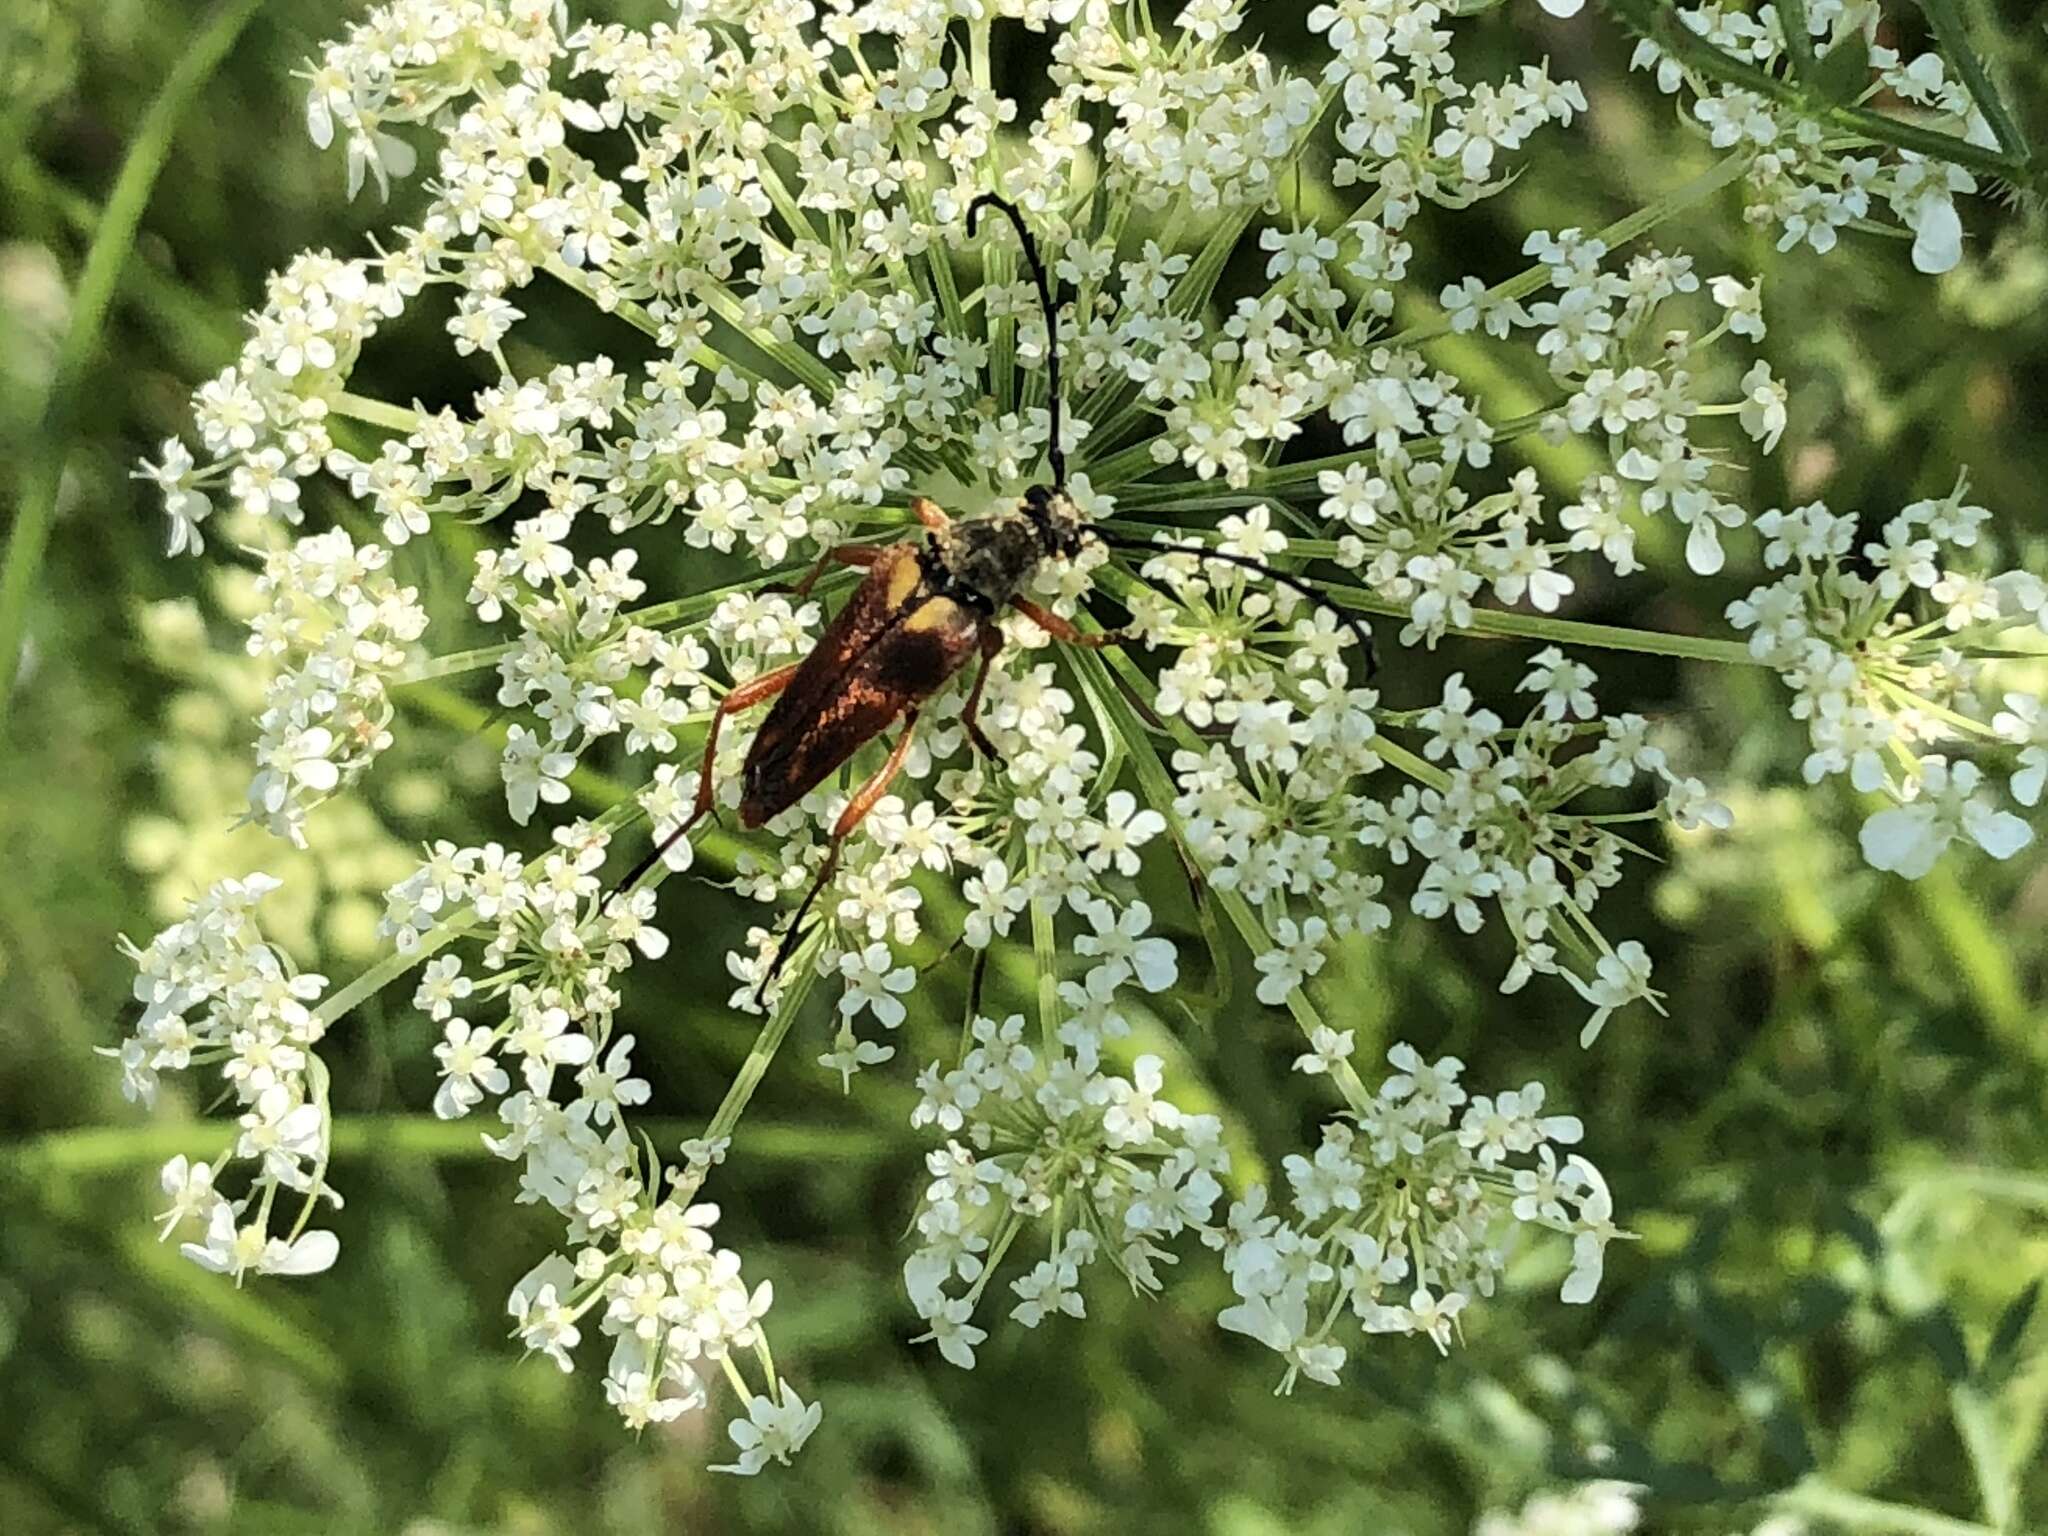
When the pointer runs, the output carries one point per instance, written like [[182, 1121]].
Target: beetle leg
[[748, 694], [1063, 630], [865, 800], [970, 717], [930, 513], [861, 555]]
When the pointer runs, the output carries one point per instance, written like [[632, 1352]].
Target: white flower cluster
[[337, 626], [1228, 398], [784, 222], [406, 62], [1404, 1214], [264, 421], [1498, 827], [641, 1257], [1106, 1164], [1632, 380], [1806, 177], [214, 993], [1880, 642]]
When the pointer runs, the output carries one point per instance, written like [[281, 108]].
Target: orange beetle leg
[[766, 686], [864, 801]]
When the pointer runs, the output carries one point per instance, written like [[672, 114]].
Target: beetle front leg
[[1064, 631], [865, 799], [930, 513], [748, 694]]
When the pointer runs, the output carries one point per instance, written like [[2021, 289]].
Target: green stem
[[88, 1151], [1798, 38], [1094, 667], [1045, 951], [588, 784], [1954, 38], [1982, 959], [201, 334], [633, 314], [395, 965], [815, 375], [1421, 770], [1858, 1513], [111, 245], [1500, 623], [1305, 1013], [766, 1044], [1497, 623], [399, 418], [1304, 474]]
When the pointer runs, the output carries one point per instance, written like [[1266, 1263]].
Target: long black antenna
[[1056, 455], [1344, 616]]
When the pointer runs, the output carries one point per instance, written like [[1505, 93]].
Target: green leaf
[[1798, 36], [1938, 1327], [1879, 1517], [2003, 1351], [1843, 73]]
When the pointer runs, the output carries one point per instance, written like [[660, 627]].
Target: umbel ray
[[923, 611]]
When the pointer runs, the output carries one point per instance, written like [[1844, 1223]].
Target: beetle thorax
[[993, 557]]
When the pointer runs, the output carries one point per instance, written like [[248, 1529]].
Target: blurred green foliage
[[1835, 1147]]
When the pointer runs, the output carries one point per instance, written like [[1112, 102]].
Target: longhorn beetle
[[922, 611]]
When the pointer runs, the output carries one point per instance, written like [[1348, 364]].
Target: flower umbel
[[775, 195]]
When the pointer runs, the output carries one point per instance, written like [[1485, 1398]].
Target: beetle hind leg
[[748, 694], [865, 800]]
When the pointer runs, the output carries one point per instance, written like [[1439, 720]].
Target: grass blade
[[110, 249]]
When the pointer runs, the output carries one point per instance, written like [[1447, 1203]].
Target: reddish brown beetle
[[920, 614]]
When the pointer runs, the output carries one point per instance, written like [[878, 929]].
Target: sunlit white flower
[[771, 1431]]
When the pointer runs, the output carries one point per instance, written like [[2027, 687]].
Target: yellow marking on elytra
[[934, 613], [903, 581]]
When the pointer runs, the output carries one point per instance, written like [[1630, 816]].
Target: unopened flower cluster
[[818, 355]]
